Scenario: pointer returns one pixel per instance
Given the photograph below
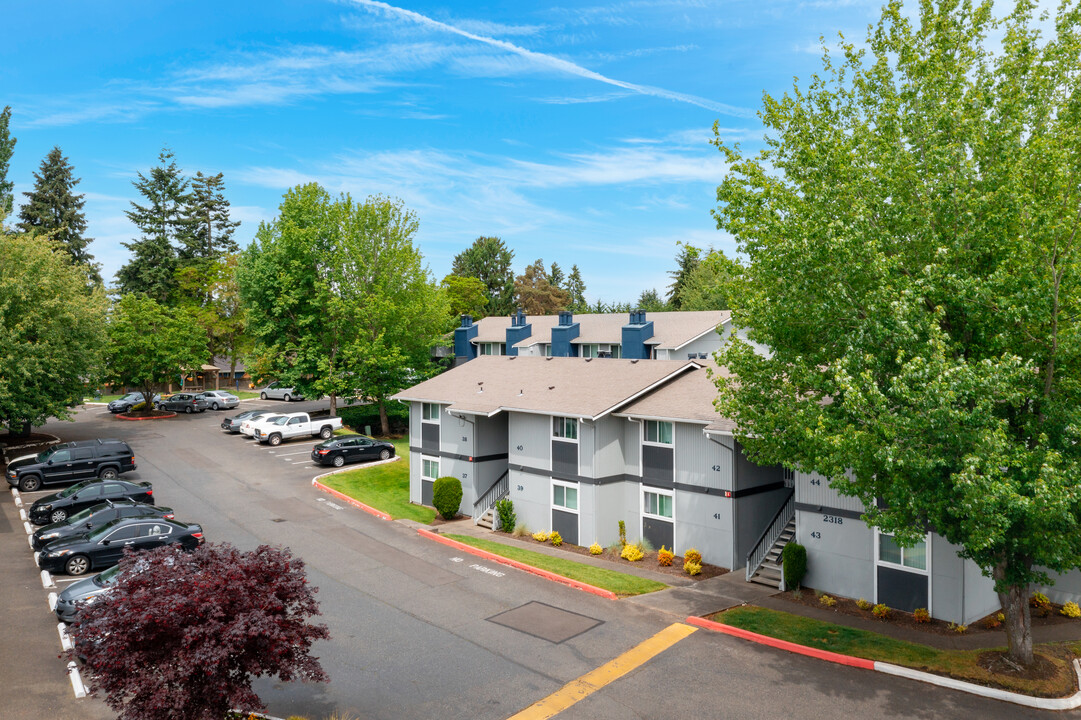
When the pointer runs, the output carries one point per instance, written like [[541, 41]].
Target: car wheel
[[77, 565], [384, 454], [214, 406], [108, 474], [58, 516], [189, 410], [338, 461], [325, 433], [30, 483], [159, 407], [262, 396], [287, 398], [275, 440]]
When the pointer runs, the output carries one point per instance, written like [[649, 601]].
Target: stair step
[[775, 584]]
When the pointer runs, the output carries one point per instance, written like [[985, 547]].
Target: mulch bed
[[995, 661], [847, 606], [32, 440]]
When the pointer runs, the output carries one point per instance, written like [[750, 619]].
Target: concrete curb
[[345, 498], [1067, 703], [122, 416], [600, 592]]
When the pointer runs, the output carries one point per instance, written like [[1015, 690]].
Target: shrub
[[692, 568], [881, 611], [794, 564], [1071, 610], [864, 604], [692, 556], [957, 628], [645, 545], [447, 496], [921, 615], [1040, 604], [632, 552], [664, 557], [521, 530], [540, 536], [505, 510], [360, 416], [622, 534], [992, 621], [556, 538], [827, 600], [595, 548]]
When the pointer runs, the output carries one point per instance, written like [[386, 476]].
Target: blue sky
[[578, 133]]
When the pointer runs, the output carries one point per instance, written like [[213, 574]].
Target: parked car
[[131, 401], [69, 462], [248, 426], [158, 397], [219, 399], [338, 451], [104, 547], [274, 391], [232, 425], [58, 506], [94, 517], [294, 425], [183, 402], [84, 592]]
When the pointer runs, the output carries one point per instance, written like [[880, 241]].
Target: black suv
[[70, 462]]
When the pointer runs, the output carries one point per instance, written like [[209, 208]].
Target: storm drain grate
[[545, 622]]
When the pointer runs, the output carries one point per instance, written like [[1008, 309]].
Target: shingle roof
[[687, 397], [671, 330], [575, 387]]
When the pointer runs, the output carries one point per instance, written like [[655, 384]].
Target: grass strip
[[959, 664], [617, 582], [384, 487]]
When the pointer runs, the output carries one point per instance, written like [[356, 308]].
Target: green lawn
[[383, 487], [961, 664], [619, 583]]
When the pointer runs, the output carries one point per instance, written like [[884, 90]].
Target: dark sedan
[[58, 506], [338, 451], [183, 402], [104, 547], [233, 424], [93, 518], [84, 592], [131, 401]]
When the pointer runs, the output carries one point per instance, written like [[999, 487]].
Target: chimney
[[563, 333], [518, 331], [635, 334], [464, 349]]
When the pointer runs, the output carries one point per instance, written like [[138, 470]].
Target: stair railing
[[773, 530], [498, 490]]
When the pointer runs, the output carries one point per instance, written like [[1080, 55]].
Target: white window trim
[[429, 458], [659, 444], [656, 491], [577, 429], [905, 568], [424, 415], [563, 483]]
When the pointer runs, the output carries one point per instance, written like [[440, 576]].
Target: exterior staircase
[[487, 520], [770, 572]]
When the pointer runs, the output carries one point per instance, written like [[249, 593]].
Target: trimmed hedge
[[794, 557], [447, 496], [357, 416]]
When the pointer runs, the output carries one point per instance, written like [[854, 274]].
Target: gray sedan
[[275, 391], [232, 424], [219, 399]]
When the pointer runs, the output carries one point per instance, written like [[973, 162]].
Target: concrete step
[[487, 520], [768, 582]]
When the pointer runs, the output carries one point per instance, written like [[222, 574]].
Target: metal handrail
[[773, 530], [499, 489]]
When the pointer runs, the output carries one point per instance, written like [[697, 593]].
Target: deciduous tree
[[7, 148], [466, 296], [711, 282], [536, 295], [181, 635], [912, 235]]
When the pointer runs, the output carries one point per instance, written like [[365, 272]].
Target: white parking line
[[65, 641], [47, 580], [67, 579], [298, 452], [76, 680], [52, 604], [303, 462]]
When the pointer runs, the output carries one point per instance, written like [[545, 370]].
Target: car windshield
[[43, 456], [108, 577]]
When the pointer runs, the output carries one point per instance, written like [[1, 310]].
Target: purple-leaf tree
[[181, 635]]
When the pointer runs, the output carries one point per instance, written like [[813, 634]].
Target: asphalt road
[[410, 619]]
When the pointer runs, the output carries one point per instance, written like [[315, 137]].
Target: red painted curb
[[122, 416], [355, 503], [607, 594], [832, 657]]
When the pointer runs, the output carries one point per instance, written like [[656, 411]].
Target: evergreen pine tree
[[555, 276], [55, 208], [152, 268], [7, 147], [576, 288], [687, 261], [207, 230]]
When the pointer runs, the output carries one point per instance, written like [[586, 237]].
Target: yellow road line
[[594, 680]]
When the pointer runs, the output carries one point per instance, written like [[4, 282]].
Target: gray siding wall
[[1067, 587], [697, 455], [749, 475], [608, 508], [822, 494], [414, 423], [948, 589], [587, 432], [708, 343], [751, 514], [726, 333], [455, 434], [841, 561], [608, 442], [697, 527], [980, 597], [491, 435], [533, 433], [414, 476], [632, 445], [533, 502]]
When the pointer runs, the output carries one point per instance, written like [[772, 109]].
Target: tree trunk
[[333, 404], [384, 421], [20, 428], [1018, 619]]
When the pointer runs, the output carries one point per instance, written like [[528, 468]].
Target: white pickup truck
[[294, 425]]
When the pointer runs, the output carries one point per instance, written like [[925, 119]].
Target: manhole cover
[[545, 622]]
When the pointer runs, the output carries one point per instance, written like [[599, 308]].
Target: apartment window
[[616, 351], [564, 496], [565, 428], [430, 412], [657, 503], [588, 351], [658, 432], [429, 469], [492, 348], [914, 558], [548, 350]]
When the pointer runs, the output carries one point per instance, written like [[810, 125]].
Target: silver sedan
[[219, 399]]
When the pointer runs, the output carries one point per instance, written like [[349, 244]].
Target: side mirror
[[106, 542], [49, 462], [89, 525]]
